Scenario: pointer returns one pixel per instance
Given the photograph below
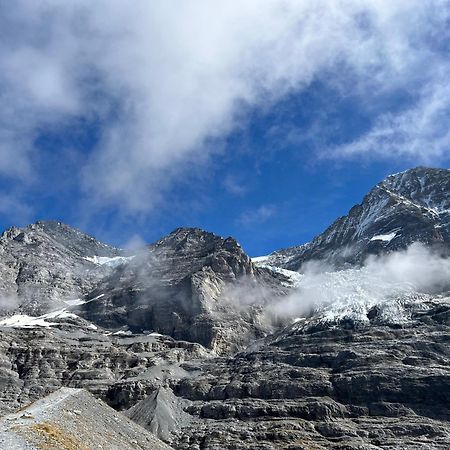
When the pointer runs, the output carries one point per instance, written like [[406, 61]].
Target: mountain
[[46, 263], [412, 206], [316, 386], [190, 285], [207, 348]]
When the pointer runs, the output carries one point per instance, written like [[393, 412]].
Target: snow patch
[[122, 333], [113, 261], [59, 314], [95, 298], [260, 259], [293, 277], [74, 302], [25, 321], [384, 237]]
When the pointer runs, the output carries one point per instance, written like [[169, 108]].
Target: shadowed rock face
[[412, 206], [180, 287]]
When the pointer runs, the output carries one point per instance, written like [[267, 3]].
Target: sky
[[260, 119]]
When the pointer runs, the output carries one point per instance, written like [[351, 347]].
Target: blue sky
[[264, 120]]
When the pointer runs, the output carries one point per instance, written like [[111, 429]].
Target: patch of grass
[[53, 438]]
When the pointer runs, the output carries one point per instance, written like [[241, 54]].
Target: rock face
[[321, 386], [46, 263], [73, 419], [121, 370], [191, 285], [412, 206]]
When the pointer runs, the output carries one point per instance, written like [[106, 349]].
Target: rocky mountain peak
[[369, 369], [195, 241], [425, 186], [411, 206]]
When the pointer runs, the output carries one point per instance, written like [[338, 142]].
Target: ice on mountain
[[75, 302], [384, 237], [113, 261]]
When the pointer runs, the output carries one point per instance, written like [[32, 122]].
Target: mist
[[389, 280], [8, 302]]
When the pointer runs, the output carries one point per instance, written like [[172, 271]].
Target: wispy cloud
[[235, 185], [387, 281], [420, 133], [15, 208], [256, 216], [165, 80]]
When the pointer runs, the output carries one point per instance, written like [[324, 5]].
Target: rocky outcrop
[[324, 386], [121, 370], [73, 419], [412, 206], [191, 285]]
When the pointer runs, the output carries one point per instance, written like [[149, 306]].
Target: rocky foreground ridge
[[198, 344]]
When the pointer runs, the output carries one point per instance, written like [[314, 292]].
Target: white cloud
[[235, 185], [165, 79], [420, 133], [15, 208], [389, 281], [256, 216]]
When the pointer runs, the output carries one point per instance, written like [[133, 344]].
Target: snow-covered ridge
[[113, 261], [258, 260]]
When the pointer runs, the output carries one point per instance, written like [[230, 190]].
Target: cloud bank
[[386, 280], [164, 82]]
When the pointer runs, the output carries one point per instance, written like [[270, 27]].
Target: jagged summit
[[190, 240], [58, 234], [411, 206], [427, 187], [182, 286]]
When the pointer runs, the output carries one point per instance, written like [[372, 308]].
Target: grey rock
[[326, 388], [222, 375], [162, 413], [119, 370], [191, 285], [44, 264], [74, 419]]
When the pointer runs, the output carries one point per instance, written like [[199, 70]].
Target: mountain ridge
[[390, 217], [184, 335]]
